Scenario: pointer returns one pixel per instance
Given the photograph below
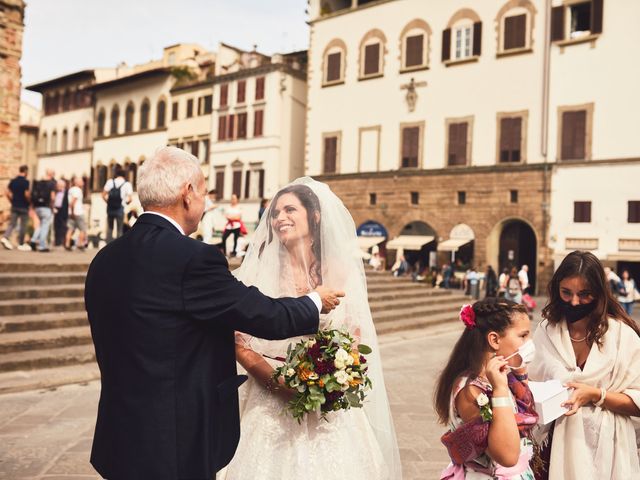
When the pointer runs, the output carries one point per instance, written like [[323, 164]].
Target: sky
[[64, 36]]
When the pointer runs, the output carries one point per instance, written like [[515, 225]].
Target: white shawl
[[593, 444]]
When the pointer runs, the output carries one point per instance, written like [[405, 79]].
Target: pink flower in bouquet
[[468, 316]]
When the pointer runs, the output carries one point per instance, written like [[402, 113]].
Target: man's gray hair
[[161, 178]]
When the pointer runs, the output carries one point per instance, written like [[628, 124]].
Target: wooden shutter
[[222, 127], [566, 150], [458, 143], [372, 59], [261, 183], [237, 183], [557, 23], [505, 140], [410, 147], [190, 108], [330, 154], [597, 8], [174, 111], [477, 38], [582, 212], [242, 90], [259, 88], [414, 51], [446, 44], [195, 148], [224, 94], [333, 66], [515, 28], [230, 127], [634, 211], [242, 125], [247, 183], [510, 139], [574, 126], [220, 184], [160, 114], [257, 123]]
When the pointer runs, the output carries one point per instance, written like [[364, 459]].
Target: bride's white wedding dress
[[359, 443]]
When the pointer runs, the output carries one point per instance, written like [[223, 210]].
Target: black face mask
[[574, 313]]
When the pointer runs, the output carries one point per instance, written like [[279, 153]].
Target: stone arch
[[463, 13]]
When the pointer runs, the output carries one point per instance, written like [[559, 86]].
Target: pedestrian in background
[[76, 215], [118, 193], [447, 273], [210, 206], [42, 197], [630, 291], [513, 290], [523, 275], [490, 282], [60, 213], [502, 282], [18, 194], [234, 225], [263, 206]]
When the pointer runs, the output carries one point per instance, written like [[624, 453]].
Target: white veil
[[267, 267]]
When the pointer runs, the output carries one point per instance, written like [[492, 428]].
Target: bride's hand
[[277, 387], [330, 298]]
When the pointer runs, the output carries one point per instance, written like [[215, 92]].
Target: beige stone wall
[[11, 28]]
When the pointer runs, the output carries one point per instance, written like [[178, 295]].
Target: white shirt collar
[[169, 219]]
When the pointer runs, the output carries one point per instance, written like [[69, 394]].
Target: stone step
[[55, 357], [42, 267], [416, 323], [449, 301], [46, 378], [404, 287], [35, 279], [42, 321], [415, 312], [42, 292], [391, 294], [36, 306], [44, 339]]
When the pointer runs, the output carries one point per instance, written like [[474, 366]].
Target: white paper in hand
[[548, 397]]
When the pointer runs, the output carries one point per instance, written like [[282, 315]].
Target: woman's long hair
[[311, 203], [467, 357], [587, 266]]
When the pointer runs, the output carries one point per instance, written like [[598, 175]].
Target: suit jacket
[[163, 309]]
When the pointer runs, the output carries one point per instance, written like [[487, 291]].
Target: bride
[[308, 238]]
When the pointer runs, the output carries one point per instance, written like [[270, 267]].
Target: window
[[457, 147], [414, 51], [224, 94], [574, 124], [576, 21], [372, 54], [44, 143], [462, 39], [261, 183], [194, 148], [582, 212], [237, 183], [634, 211], [115, 115], [220, 183], [334, 61], [462, 198], [160, 114], [190, 108], [207, 106], [510, 139], [330, 154], [242, 91], [222, 127], [86, 142], [515, 32], [144, 115], [101, 118], [247, 183], [205, 149], [64, 146], [174, 111], [230, 127], [242, 125], [128, 118], [373, 199], [258, 123], [54, 142], [75, 139], [66, 101], [260, 88], [410, 147], [513, 196], [415, 198], [371, 59]]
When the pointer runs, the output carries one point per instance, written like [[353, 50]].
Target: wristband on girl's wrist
[[603, 396], [501, 402], [522, 377]]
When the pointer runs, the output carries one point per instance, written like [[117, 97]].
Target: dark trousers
[[18, 215], [60, 227], [225, 235], [117, 219]]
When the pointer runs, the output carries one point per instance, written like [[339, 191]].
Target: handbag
[[468, 441]]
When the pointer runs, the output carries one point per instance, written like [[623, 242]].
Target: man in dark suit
[[163, 309]]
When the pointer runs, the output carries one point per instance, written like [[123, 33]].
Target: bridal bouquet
[[328, 373]]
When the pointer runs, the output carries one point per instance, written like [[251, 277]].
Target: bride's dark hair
[[311, 204]]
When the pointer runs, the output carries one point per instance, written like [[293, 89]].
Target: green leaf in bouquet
[[364, 349], [353, 399]]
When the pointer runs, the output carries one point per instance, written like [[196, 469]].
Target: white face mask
[[527, 352]]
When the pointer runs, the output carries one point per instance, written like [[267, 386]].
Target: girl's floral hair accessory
[[468, 316]]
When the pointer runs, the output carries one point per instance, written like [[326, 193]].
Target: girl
[[482, 394]]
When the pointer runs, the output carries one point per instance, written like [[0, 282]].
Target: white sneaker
[[6, 243], [24, 247]]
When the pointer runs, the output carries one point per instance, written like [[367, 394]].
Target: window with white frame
[[462, 42]]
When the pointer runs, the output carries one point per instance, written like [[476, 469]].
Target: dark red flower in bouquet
[[362, 359], [324, 367]]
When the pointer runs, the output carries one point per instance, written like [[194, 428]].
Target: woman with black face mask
[[588, 342]]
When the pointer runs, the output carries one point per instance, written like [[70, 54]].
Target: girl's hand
[[496, 372], [582, 394]]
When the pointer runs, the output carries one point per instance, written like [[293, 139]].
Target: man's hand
[[330, 298]]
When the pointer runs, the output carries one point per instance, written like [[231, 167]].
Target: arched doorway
[[518, 247]]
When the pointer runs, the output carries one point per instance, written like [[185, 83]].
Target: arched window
[[128, 118], [54, 142], [115, 117], [65, 139], [414, 45], [144, 115], [515, 27], [372, 50], [462, 39], [101, 177], [43, 143], [161, 113], [132, 175], [75, 139], [101, 118], [334, 62], [86, 139], [66, 101]]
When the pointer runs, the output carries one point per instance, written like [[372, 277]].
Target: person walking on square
[[234, 226], [118, 193], [523, 275], [76, 215], [60, 213], [513, 287], [210, 206], [483, 395], [42, 198], [630, 292], [18, 193], [490, 282], [164, 336]]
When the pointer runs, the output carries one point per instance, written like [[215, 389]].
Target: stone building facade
[[11, 28]]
